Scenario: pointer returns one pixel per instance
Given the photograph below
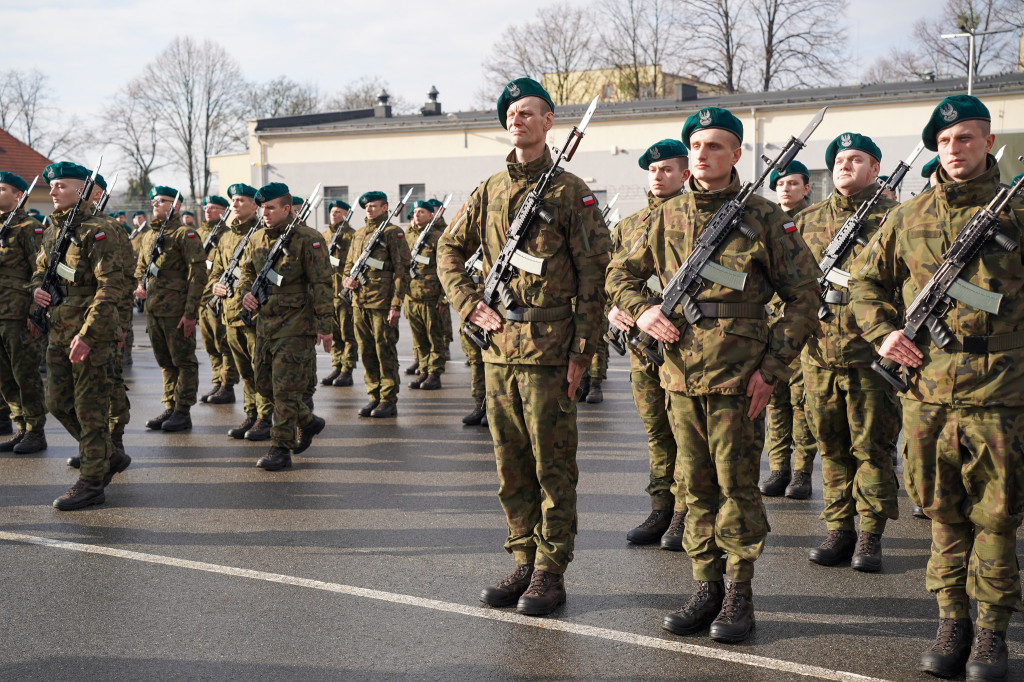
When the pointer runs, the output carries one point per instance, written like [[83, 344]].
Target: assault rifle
[[607, 208], [421, 241], [616, 338], [55, 267], [210, 243], [137, 231], [267, 276], [475, 264], [698, 266], [334, 247], [936, 298], [101, 205], [232, 272], [155, 252], [6, 228], [510, 259], [850, 233], [358, 271]]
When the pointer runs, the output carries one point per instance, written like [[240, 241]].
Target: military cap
[[408, 215], [847, 141], [117, 213], [138, 213], [271, 191], [102, 182], [436, 203], [425, 205], [215, 200], [794, 168], [712, 117], [373, 195], [951, 111], [297, 201], [517, 90], [15, 181], [188, 213], [338, 203], [163, 191], [241, 189], [65, 169], [664, 149], [929, 168]]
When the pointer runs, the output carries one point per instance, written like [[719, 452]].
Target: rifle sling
[[561, 312], [980, 345], [834, 297], [77, 291]]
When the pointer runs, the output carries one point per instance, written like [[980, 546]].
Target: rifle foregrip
[[890, 371], [246, 317], [38, 318], [477, 335]]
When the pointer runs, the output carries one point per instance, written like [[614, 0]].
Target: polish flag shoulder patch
[[589, 200], [100, 236], [317, 245], [39, 230], [190, 235], [401, 234], [789, 227]]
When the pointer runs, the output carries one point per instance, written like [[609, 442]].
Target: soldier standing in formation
[[344, 348], [223, 372], [474, 355], [424, 304]]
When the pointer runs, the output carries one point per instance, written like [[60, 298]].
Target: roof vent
[[432, 107], [383, 109]]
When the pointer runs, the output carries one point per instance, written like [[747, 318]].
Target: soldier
[[344, 348], [474, 356], [537, 355], [188, 218], [447, 328], [597, 373], [423, 305], [177, 275], [963, 414], [215, 334], [720, 371], [378, 305], [787, 418], [83, 334], [667, 169], [307, 394], [296, 318], [20, 382], [854, 414]]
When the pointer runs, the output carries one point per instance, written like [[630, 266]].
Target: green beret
[[951, 111], [712, 117], [297, 201], [664, 149], [163, 191], [270, 192], [139, 213], [65, 169], [847, 141], [408, 216], [188, 213], [425, 205], [215, 200], [14, 181], [241, 189], [517, 90], [929, 168], [117, 213], [102, 182], [794, 168], [374, 195], [338, 203]]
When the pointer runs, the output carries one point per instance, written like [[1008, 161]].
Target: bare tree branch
[[719, 46], [798, 42]]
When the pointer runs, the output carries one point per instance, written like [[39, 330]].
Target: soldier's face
[[667, 177], [790, 189], [853, 171], [338, 214], [375, 208], [188, 220], [139, 220], [9, 197], [64, 193], [713, 153], [243, 206], [277, 211], [161, 206], [213, 212], [964, 149], [421, 216], [528, 122]]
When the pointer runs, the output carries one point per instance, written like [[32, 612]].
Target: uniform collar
[[974, 192], [654, 202], [242, 226], [852, 202], [531, 170], [374, 223], [705, 198], [799, 206]]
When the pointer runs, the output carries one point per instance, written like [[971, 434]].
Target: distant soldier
[[188, 218], [423, 305], [474, 356], [446, 309], [215, 333], [344, 347]]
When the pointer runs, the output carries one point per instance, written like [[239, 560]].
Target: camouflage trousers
[[854, 416], [789, 435], [533, 426], [282, 378], [344, 349], [475, 358], [176, 355], [427, 327], [242, 342], [20, 382], [129, 338], [120, 406], [967, 465], [720, 456], [78, 395], [378, 348], [598, 370], [448, 331], [215, 341], [666, 487]]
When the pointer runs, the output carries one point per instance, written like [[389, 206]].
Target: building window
[[419, 193], [332, 194], [821, 186]]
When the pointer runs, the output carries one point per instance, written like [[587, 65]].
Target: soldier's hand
[[79, 350], [654, 322], [575, 375], [140, 293], [350, 283], [393, 316], [326, 340], [485, 317], [250, 303], [759, 391], [187, 326], [41, 297], [220, 290], [620, 320], [899, 348], [33, 332]]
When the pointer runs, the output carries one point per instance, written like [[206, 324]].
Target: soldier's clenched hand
[[485, 318], [187, 326], [79, 350], [220, 290], [654, 322], [899, 348], [575, 375], [393, 316], [620, 320], [350, 283], [250, 303], [325, 340], [759, 391], [140, 293], [41, 297]]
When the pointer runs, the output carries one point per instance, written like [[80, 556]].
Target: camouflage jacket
[[116, 231], [775, 305], [204, 230], [427, 285], [338, 258], [17, 261], [302, 305], [902, 257], [837, 342], [718, 355], [575, 248], [175, 291], [90, 309], [387, 287], [232, 305]]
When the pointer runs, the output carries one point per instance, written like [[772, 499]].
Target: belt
[[986, 344], [561, 312], [290, 289], [748, 310], [78, 291], [837, 297], [169, 275]]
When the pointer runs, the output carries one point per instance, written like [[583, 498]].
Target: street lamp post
[[970, 47]]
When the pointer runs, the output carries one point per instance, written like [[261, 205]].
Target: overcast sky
[[412, 45]]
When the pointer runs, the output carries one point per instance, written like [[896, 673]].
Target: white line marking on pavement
[[450, 607]]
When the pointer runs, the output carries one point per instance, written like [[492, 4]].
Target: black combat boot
[[952, 646], [9, 444], [306, 433], [545, 594], [34, 441], [343, 379], [917, 512], [385, 410], [156, 422], [414, 368], [329, 379], [82, 494], [367, 409], [418, 381], [431, 383], [700, 609], [868, 556], [775, 484], [988, 657], [800, 487], [225, 396], [672, 540], [651, 530], [260, 430], [119, 461], [584, 388], [838, 546], [483, 420], [595, 395], [206, 396], [239, 431], [75, 462], [276, 459], [508, 591], [474, 417], [736, 619], [178, 421]]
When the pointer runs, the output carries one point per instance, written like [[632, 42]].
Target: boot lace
[[676, 526], [867, 543], [522, 570]]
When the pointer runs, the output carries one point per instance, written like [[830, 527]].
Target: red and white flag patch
[[317, 245], [190, 235], [100, 236], [789, 227], [589, 200], [39, 230]]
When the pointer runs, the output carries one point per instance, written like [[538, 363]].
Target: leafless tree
[[27, 113], [638, 35], [720, 41], [282, 97], [799, 44], [132, 127], [362, 94]]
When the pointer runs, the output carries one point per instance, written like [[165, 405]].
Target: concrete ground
[[365, 561]]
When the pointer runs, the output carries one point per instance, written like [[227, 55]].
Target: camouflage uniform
[[344, 348], [707, 370], [425, 320], [384, 290], [531, 417], [963, 415], [174, 293], [474, 355], [598, 370], [215, 332]]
